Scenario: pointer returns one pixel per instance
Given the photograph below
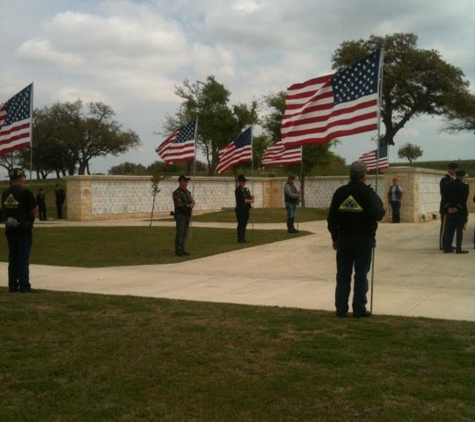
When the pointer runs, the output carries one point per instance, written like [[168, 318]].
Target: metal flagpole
[[193, 178], [301, 177], [380, 93], [252, 178], [31, 130]]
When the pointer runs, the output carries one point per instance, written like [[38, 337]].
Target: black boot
[[292, 226], [289, 225]]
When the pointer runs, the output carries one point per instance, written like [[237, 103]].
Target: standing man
[[244, 199], [449, 177], [41, 202], [456, 212], [18, 205], [394, 198], [60, 198], [184, 204], [352, 222], [291, 198]]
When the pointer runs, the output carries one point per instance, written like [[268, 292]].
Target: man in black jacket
[[244, 199], [449, 177], [352, 222], [18, 205], [456, 212]]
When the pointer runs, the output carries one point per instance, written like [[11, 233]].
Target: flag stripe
[[371, 159], [345, 103], [179, 146], [277, 155], [238, 151], [15, 124]]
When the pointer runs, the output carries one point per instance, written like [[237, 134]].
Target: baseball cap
[[358, 167], [16, 173], [183, 178]]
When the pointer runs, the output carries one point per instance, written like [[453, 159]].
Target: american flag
[[277, 155], [371, 160], [15, 122], [341, 104], [238, 151], [180, 145]]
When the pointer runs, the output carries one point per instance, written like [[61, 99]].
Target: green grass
[[82, 357], [121, 246]]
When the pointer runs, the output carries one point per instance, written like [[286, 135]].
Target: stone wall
[[113, 197]]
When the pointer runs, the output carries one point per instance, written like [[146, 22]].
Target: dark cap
[[452, 166], [241, 178], [16, 173], [358, 167], [292, 177], [460, 173], [183, 178]]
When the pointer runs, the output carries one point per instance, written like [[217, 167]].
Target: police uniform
[[18, 204], [442, 188], [183, 204], [243, 206]]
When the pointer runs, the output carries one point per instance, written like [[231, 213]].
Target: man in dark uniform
[[18, 205], [456, 212], [352, 220], [60, 198], [291, 198], [449, 177], [41, 202], [184, 204], [244, 199]]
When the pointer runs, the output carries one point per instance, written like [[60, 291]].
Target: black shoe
[[461, 251], [363, 315], [179, 253], [341, 315], [448, 251], [186, 254], [30, 290], [13, 290]]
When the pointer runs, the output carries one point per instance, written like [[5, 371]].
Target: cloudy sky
[[132, 54]]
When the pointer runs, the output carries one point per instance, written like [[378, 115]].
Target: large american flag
[[180, 145], [277, 155], [15, 122], [238, 151], [371, 158], [341, 104]]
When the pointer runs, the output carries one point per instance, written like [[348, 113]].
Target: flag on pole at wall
[[238, 151], [371, 158], [15, 121], [341, 104], [277, 155], [180, 145]]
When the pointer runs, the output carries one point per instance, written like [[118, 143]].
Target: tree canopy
[[415, 81], [67, 136]]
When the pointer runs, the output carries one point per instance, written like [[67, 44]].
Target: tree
[[464, 118], [410, 151], [218, 122], [66, 137], [415, 81]]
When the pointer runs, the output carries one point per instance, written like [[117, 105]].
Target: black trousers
[[182, 227], [242, 216]]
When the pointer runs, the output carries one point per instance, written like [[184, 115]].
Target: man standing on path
[[449, 177], [60, 196], [352, 222], [244, 199], [291, 198], [18, 205], [184, 204], [394, 198]]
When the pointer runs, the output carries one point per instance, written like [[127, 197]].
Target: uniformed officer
[[244, 199], [184, 204], [291, 198], [449, 177], [18, 205]]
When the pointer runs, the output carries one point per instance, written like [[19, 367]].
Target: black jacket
[[456, 196], [353, 215]]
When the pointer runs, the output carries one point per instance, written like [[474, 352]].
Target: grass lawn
[[83, 357]]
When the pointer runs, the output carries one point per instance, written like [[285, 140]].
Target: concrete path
[[411, 276]]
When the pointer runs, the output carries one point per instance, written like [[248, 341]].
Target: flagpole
[[301, 190], [194, 175], [31, 129], [252, 174], [380, 97]]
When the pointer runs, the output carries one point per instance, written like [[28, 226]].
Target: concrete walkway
[[411, 276]]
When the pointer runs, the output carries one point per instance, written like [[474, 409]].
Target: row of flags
[[316, 111]]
